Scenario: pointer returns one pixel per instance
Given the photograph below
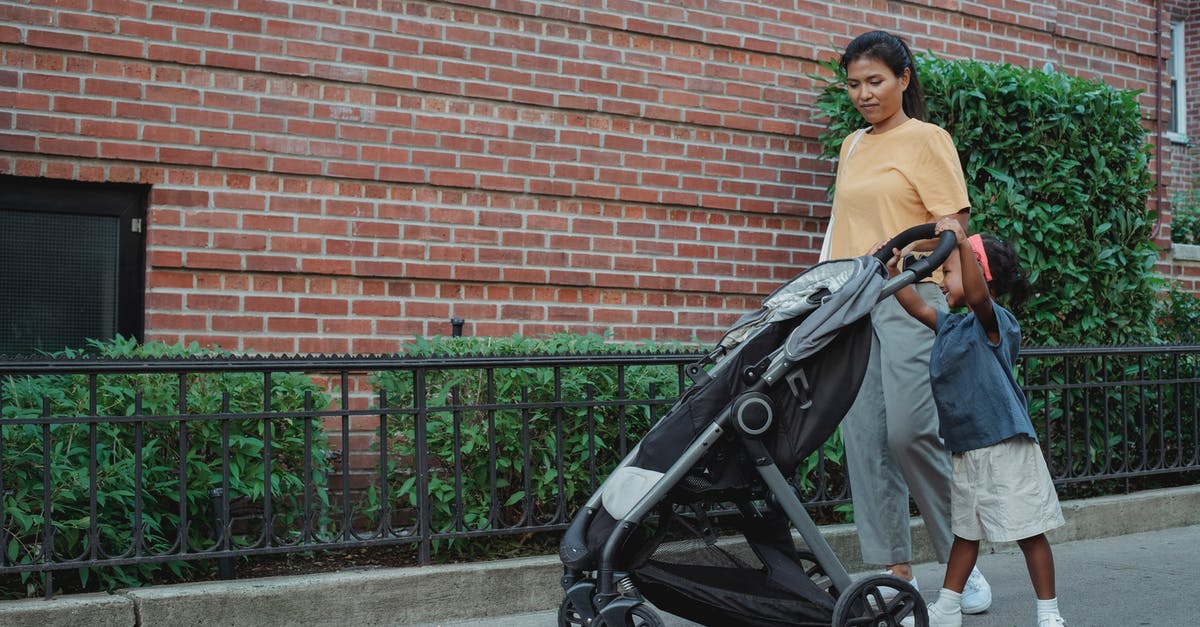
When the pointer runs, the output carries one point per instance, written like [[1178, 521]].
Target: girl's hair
[[894, 53], [1007, 277]]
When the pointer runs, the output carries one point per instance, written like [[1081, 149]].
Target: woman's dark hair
[[1007, 277], [894, 53]]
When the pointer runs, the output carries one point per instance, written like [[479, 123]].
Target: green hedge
[[1058, 165], [1185, 216]]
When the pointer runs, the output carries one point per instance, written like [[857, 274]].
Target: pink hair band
[[976, 243]]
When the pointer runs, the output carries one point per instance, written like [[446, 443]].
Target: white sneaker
[[1049, 620], [938, 618], [977, 594]]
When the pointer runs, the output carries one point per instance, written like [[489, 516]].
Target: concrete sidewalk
[[1144, 578], [1122, 560]]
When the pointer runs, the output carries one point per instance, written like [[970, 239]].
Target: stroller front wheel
[[640, 616], [869, 601]]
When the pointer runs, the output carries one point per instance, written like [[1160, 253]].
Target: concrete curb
[[407, 596]]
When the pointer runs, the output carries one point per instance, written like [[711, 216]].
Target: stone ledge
[[1185, 252]]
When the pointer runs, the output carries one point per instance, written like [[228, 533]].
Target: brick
[[50, 145], [54, 40], [213, 302], [198, 259], [18, 143], [183, 156], [180, 197], [295, 166], [323, 306], [376, 308]]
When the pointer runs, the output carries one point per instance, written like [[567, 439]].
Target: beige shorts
[[1003, 493]]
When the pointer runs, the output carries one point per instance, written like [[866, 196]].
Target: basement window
[[72, 263]]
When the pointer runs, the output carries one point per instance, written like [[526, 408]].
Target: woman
[[897, 173]]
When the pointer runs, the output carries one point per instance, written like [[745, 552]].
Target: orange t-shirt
[[891, 181]]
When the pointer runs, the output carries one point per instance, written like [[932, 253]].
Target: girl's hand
[[953, 225], [893, 264]]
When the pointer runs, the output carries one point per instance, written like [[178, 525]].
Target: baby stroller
[[767, 396]]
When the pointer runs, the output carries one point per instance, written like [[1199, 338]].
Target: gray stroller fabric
[[797, 297], [834, 295], [830, 301], [851, 296]]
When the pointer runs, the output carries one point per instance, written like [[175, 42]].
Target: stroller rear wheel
[[865, 603]]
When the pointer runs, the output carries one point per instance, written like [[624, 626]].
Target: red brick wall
[[338, 177]]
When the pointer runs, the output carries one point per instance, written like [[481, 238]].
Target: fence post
[[216, 503]]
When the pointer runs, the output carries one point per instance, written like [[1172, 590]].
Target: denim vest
[[978, 399]]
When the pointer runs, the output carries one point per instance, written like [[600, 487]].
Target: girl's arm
[[909, 299], [975, 289], [917, 307]]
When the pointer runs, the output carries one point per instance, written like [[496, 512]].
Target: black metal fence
[[111, 468]]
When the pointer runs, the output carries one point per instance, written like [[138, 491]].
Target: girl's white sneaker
[[977, 594], [938, 618]]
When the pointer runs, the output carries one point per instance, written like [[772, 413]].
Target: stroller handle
[[924, 266]]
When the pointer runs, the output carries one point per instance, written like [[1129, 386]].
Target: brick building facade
[[337, 177]]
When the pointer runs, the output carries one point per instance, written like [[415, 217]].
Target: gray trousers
[[892, 443]]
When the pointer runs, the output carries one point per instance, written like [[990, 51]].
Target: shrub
[[156, 444], [1179, 321], [1185, 205]]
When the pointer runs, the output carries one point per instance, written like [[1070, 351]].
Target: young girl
[[1001, 486]]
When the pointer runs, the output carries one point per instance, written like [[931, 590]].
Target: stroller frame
[[609, 597]]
